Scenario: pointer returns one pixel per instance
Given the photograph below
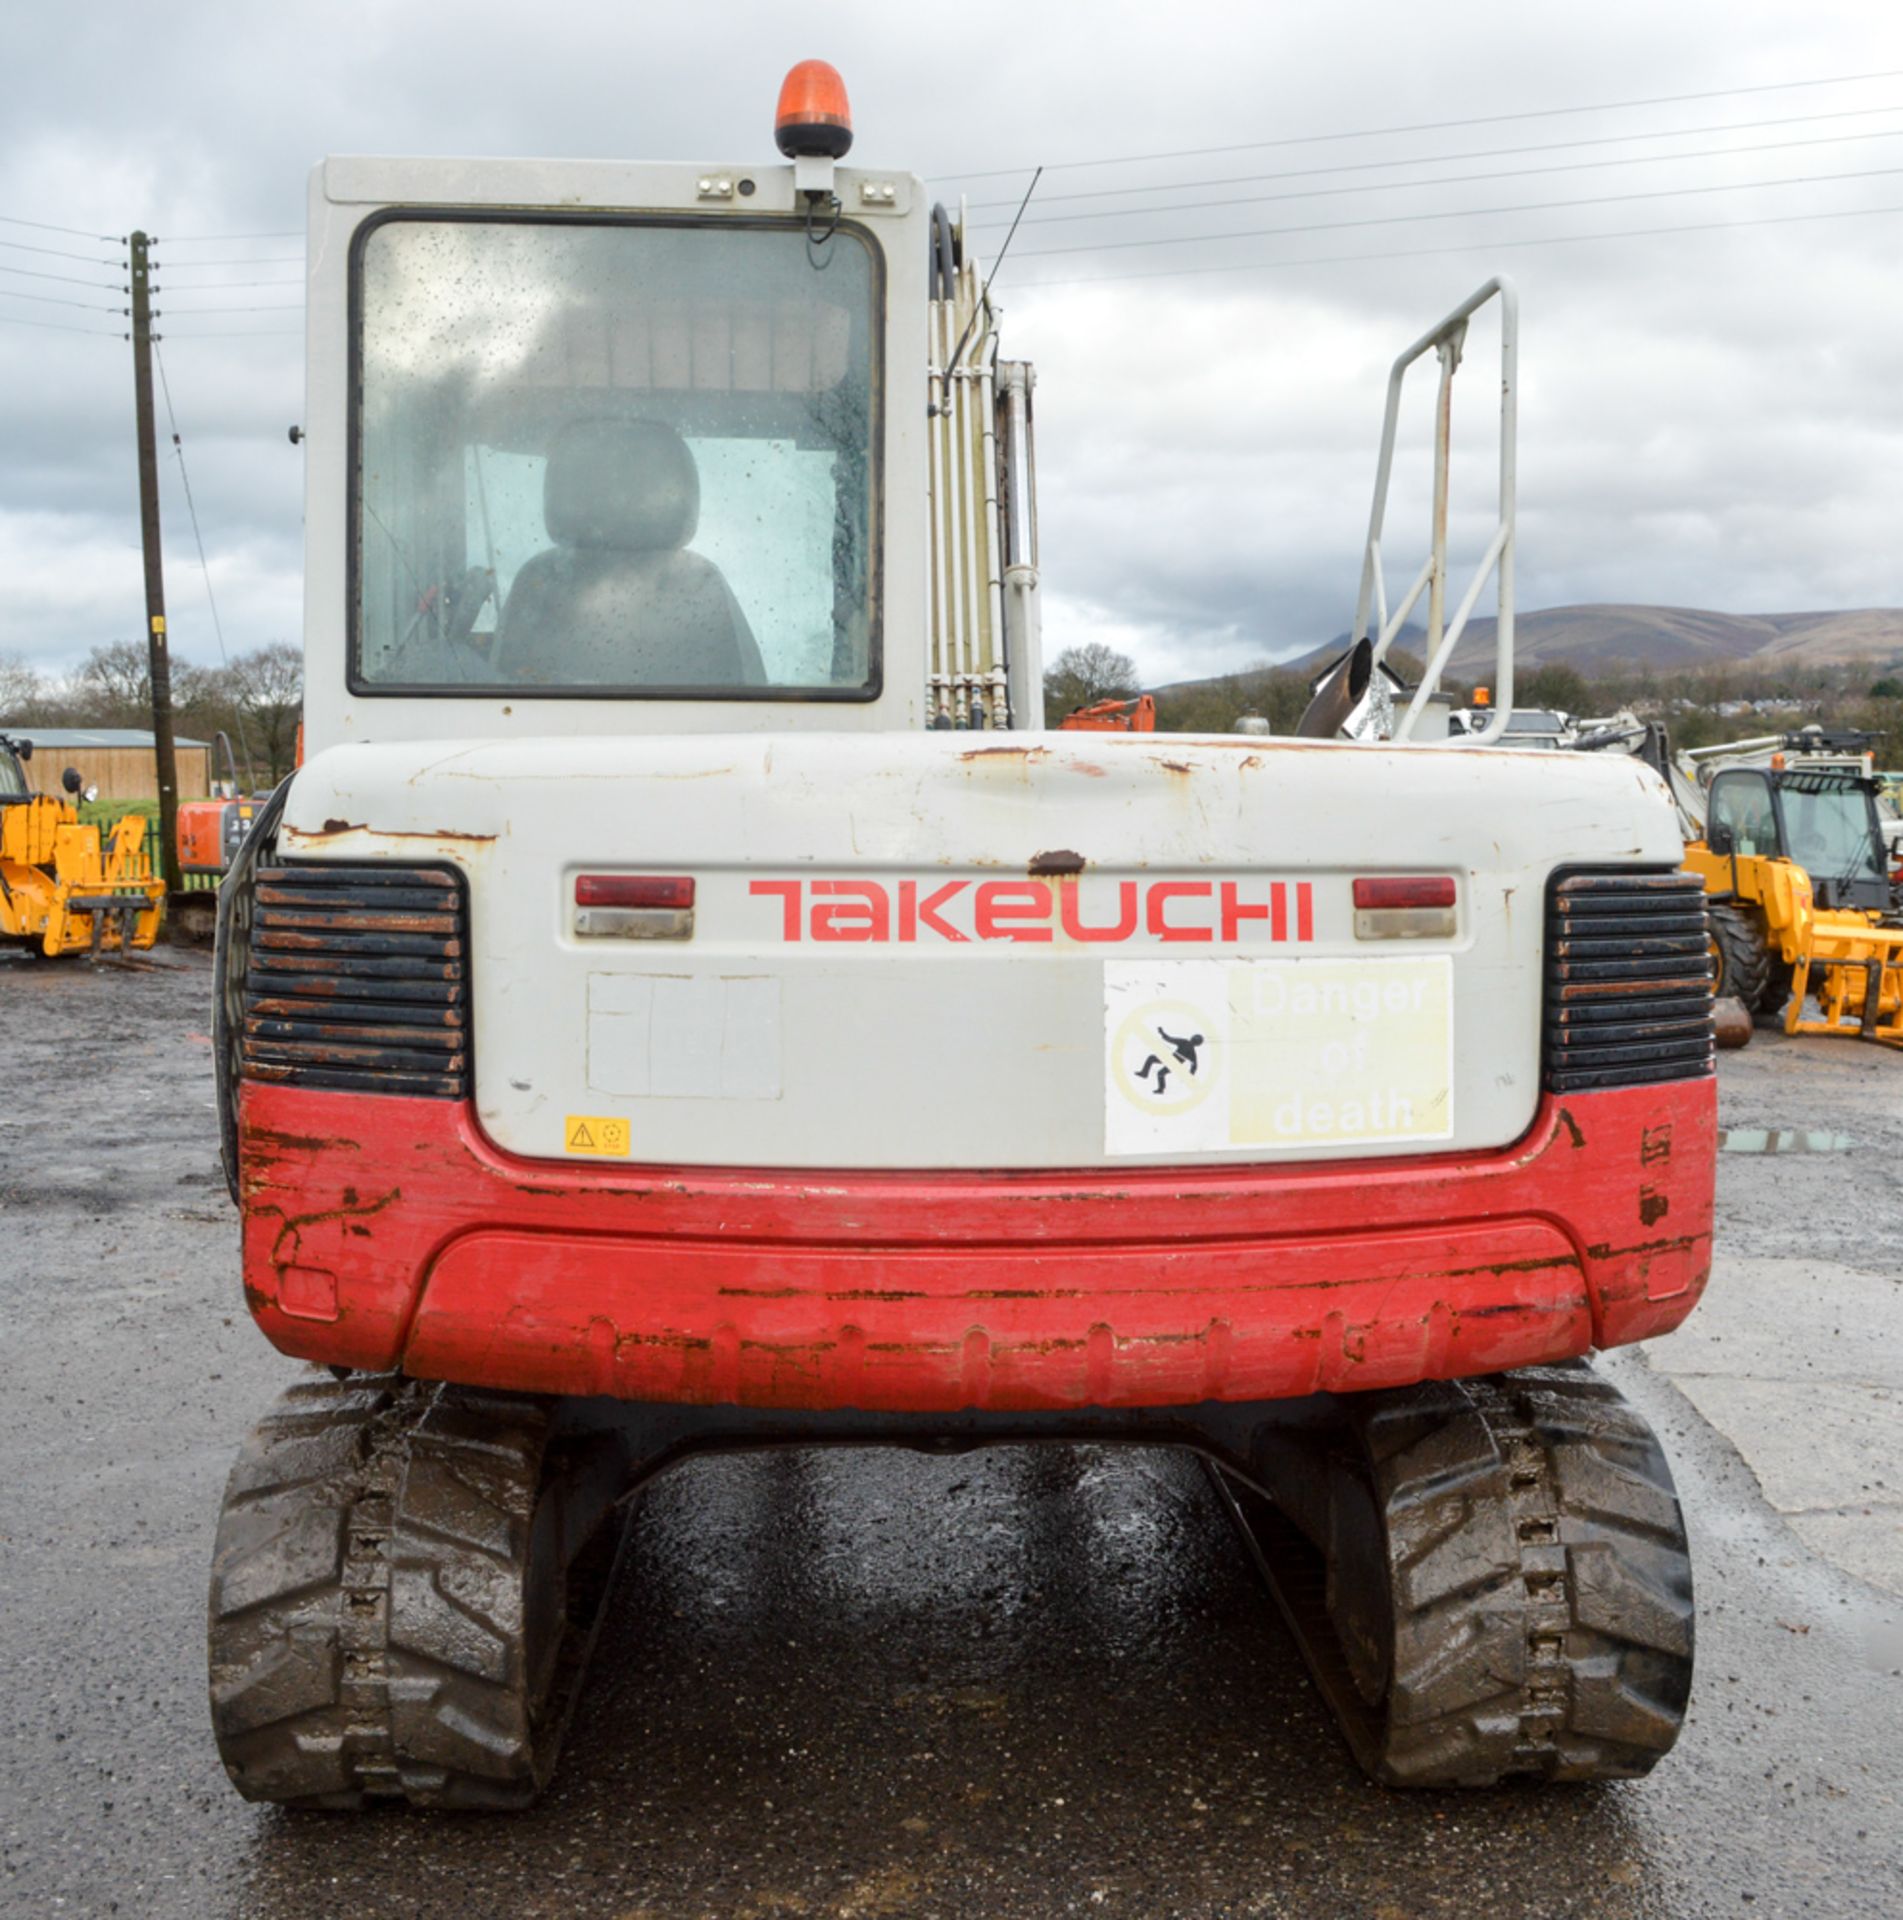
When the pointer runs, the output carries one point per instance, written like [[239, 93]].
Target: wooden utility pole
[[165, 748]]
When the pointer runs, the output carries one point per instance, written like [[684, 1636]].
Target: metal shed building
[[120, 761]]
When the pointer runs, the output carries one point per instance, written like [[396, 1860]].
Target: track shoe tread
[[1507, 1584], [372, 1609]]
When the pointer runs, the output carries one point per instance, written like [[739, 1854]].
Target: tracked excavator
[[687, 999], [1112, 716]]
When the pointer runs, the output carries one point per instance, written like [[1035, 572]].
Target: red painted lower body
[[388, 1232]]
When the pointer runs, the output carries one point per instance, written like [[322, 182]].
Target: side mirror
[[25, 750], [1718, 836], [70, 780]]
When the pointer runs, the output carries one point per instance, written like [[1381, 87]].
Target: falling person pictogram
[[1184, 1050]]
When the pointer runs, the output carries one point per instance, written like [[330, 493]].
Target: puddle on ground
[[1781, 1140]]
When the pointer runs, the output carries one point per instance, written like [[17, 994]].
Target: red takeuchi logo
[[1234, 912]]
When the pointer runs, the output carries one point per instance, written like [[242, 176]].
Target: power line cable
[[1537, 206], [1431, 126], [59, 253], [1441, 159], [46, 226], [281, 306], [1463, 246], [1463, 213], [1468, 179], [205, 239], [255, 333], [268, 260], [57, 326], [54, 300], [218, 286], [191, 507], [68, 279]]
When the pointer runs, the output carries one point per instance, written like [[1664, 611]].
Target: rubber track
[[1539, 1584], [371, 1635]]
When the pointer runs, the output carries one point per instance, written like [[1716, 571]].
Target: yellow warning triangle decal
[[581, 1137]]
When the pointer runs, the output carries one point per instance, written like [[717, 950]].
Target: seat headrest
[[626, 484]]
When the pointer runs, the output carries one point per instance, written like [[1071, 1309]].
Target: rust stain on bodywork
[[292, 1225], [270, 1140], [331, 829], [1060, 860]]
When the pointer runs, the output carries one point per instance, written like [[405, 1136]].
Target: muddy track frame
[[1485, 1577]]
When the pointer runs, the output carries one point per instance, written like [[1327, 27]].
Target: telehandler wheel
[[1777, 991], [405, 1589], [1495, 1579], [1742, 962]]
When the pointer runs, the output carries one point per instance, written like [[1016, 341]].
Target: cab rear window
[[620, 458]]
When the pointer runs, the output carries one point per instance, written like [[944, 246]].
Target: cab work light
[[1405, 907], [634, 906]]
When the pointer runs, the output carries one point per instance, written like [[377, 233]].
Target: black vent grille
[[358, 979], [1628, 980]]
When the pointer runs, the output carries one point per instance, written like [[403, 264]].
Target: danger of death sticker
[[596, 1133], [1203, 1055]]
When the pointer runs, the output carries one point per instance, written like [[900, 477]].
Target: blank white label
[[677, 1036]]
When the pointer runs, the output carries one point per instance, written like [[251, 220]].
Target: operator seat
[[618, 600]]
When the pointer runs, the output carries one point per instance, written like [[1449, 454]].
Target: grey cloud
[[1710, 419]]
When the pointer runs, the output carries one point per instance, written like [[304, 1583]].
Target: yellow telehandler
[[63, 887], [1797, 882]]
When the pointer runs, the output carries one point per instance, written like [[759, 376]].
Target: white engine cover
[[992, 951]]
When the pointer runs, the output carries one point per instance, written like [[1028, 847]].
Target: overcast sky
[[1711, 417]]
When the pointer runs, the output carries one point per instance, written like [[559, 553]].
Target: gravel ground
[[1033, 1682]]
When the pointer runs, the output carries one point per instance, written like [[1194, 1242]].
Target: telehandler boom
[[686, 999]]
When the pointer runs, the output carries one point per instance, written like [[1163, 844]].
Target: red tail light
[[1412, 890], [672, 891], [1413, 906]]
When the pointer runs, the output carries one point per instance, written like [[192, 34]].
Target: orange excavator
[[1113, 716]]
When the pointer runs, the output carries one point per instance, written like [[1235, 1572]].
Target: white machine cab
[[622, 606]]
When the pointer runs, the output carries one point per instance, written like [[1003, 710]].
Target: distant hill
[[1676, 638], [1597, 639]]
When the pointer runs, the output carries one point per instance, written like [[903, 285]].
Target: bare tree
[[22, 689], [115, 686], [267, 686], [1081, 676]]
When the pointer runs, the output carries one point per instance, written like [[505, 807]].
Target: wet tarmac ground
[[1031, 1682]]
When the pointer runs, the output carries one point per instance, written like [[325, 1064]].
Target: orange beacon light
[[813, 120]]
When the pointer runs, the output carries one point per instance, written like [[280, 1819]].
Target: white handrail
[[1446, 341]]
